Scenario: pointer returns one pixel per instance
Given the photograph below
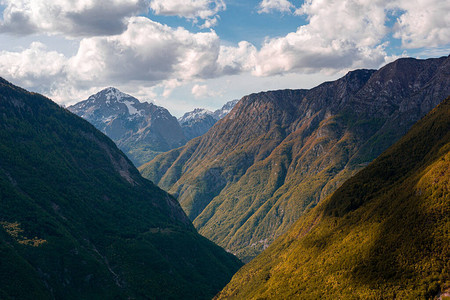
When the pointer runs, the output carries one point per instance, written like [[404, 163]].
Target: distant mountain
[[278, 153], [141, 130], [197, 122], [226, 108], [77, 221], [384, 234]]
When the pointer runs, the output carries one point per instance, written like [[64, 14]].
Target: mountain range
[[77, 220], [197, 122], [384, 234], [142, 129], [279, 153]]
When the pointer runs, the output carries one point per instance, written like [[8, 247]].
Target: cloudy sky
[[183, 54]]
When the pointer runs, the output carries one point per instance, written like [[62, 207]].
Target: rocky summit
[[140, 129], [197, 122]]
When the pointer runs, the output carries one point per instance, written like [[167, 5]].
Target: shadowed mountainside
[[77, 220]]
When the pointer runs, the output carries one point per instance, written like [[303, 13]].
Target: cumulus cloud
[[33, 67], [147, 51], [424, 23], [268, 6], [69, 17], [340, 34], [190, 9], [235, 60]]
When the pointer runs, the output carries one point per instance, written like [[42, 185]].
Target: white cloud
[[268, 6], [33, 67], [203, 91], [69, 17], [190, 9], [339, 35], [147, 51], [235, 60], [424, 23]]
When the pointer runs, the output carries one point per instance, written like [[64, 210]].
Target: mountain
[[141, 130], [77, 220], [225, 109], [384, 234], [278, 153], [197, 122]]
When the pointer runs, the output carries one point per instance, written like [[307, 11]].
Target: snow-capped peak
[[112, 93], [195, 114]]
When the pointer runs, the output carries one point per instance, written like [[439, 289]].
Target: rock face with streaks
[[278, 153]]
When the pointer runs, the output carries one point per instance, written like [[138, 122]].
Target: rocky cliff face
[[141, 130], [278, 153]]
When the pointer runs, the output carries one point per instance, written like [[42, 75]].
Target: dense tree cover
[[77, 221]]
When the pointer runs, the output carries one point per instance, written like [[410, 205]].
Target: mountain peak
[[135, 126], [112, 94]]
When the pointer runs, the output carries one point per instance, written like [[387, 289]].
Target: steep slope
[[383, 234], [197, 122], [141, 130], [278, 153], [77, 221]]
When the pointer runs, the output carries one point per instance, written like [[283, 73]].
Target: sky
[[184, 54]]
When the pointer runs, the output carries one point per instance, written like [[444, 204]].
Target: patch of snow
[[113, 93], [195, 114], [131, 109]]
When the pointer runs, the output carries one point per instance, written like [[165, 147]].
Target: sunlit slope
[[383, 234], [278, 153]]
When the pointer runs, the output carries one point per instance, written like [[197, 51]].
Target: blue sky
[[183, 54]]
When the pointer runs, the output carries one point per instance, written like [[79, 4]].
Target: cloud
[[190, 9], [203, 91], [340, 35], [235, 60], [268, 6], [69, 17], [147, 51], [424, 23], [33, 67]]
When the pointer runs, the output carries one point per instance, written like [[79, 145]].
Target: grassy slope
[[384, 234], [78, 221]]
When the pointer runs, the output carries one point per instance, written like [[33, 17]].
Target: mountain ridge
[[382, 234], [278, 153]]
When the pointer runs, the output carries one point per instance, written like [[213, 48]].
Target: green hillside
[[384, 234], [77, 221]]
